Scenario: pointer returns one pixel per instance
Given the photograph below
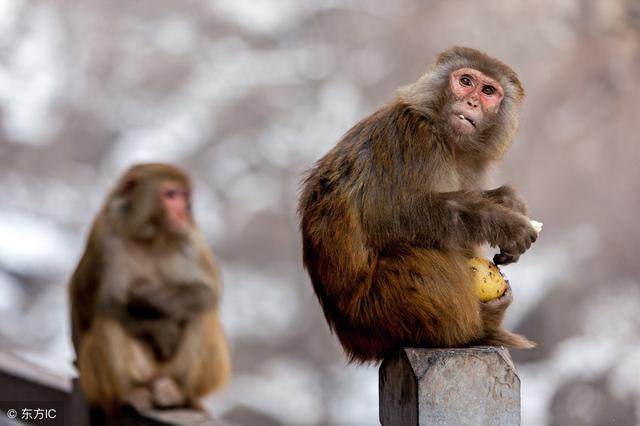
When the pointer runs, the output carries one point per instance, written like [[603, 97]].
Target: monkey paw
[[516, 237], [140, 399], [493, 311], [166, 393], [504, 258], [499, 304]]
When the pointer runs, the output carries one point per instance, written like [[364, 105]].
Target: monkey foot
[[501, 303], [166, 393], [142, 367], [140, 399]]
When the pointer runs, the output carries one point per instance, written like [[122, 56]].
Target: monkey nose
[[472, 104]]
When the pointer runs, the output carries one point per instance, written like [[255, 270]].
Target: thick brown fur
[[390, 216], [144, 303]]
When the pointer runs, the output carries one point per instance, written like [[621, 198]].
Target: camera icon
[[11, 413]]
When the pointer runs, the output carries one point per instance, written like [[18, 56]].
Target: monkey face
[[475, 102], [151, 200], [176, 203]]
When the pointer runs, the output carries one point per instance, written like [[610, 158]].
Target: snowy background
[[246, 95]]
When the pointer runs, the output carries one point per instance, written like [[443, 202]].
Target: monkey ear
[[121, 202], [127, 186]]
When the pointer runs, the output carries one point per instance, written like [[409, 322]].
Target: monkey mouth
[[463, 117]]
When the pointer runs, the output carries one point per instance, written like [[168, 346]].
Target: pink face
[[477, 98], [176, 201]]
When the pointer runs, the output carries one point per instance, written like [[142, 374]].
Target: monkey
[[144, 299], [391, 214]]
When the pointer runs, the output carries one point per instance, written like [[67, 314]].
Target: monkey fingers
[[516, 238], [504, 258], [501, 302], [492, 312], [510, 252]]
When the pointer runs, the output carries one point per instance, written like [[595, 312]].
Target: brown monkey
[[390, 216], [144, 299]]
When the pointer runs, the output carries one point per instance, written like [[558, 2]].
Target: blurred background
[[246, 95]]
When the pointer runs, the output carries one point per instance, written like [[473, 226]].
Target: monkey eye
[[488, 90], [171, 193], [466, 80]]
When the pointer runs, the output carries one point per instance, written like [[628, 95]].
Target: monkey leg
[[428, 299], [202, 362], [115, 368], [414, 297]]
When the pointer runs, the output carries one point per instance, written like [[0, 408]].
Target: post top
[[422, 359]]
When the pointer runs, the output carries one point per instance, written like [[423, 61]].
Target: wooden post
[[22, 382], [83, 415], [460, 386]]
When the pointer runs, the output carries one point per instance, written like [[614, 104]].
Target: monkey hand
[[186, 300], [507, 197], [493, 311], [177, 301], [515, 235], [499, 304], [162, 335]]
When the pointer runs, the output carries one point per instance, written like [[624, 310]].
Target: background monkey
[[390, 216], [144, 298]]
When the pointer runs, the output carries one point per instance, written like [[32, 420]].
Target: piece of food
[[490, 284], [536, 225]]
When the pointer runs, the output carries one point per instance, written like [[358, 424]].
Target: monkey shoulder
[[192, 265]]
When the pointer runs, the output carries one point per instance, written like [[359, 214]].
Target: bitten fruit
[[489, 282]]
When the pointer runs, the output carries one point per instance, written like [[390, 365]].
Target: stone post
[[458, 386]]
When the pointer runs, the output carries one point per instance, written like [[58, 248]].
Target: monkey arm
[[158, 316], [176, 301], [450, 220], [83, 290], [462, 218]]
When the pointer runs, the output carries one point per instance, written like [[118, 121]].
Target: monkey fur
[[390, 216], [144, 302]]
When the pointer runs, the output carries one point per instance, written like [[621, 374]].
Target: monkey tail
[[502, 337]]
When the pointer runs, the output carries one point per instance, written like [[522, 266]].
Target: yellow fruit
[[490, 284]]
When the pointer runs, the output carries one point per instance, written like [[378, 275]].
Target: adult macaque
[[391, 215], [144, 299]]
